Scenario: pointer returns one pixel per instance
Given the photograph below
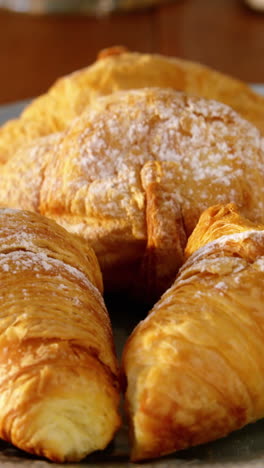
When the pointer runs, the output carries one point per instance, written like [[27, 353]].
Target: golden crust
[[119, 69], [166, 231], [132, 175], [58, 370], [134, 172], [216, 221], [186, 381], [29, 231], [22, 175]]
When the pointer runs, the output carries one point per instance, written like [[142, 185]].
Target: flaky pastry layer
[[59, 391], [194, 366]]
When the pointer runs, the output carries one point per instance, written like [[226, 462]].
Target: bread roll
[[117, 69], [133, 173], [58, 373], [194, 367]]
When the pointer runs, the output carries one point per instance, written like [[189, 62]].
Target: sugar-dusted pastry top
[[58, 370], [133, 173], [25, 231], [194, 366], [119, 69]]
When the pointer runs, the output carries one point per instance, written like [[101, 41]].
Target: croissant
[[58, 373], [117, 69], [194, 367], [132, 175]]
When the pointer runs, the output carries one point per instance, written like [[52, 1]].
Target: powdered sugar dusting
[[259, 263], [213, 258], [221, 285], [215, 154], [256, 236], [42, 265], [22, 175], [230, 270]]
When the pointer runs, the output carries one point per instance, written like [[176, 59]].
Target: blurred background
[[37, 48]]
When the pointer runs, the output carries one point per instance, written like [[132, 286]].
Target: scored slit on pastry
[[166, 233], [194, 366]]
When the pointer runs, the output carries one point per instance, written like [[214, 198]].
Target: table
[[35, 50]]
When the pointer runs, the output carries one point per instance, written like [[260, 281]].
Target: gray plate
[[241, 449]]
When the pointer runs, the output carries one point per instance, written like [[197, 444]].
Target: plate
[[241, 449]]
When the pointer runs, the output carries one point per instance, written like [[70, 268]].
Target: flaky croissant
[[132, 175], [117, 69], [194, 366], [58, 373]]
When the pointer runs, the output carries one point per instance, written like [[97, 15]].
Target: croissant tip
[[110, 51]]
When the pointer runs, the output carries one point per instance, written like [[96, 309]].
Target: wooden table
[[223, 34]]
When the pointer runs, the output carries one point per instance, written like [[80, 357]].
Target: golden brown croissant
[[132, 175], [58, 372], [119, 69], [194, 366]]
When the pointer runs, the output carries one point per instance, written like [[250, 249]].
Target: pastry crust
[[119, 69], [132, 175], [194, 366], [22, 176], [58, 370], [216, 220]]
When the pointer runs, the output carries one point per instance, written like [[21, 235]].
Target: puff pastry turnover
[[133, 173], [58, 372], [194, 366], [117, 69]]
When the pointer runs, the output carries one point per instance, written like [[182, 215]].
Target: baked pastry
[[194, 366], [118, 69], [22, 176], [58, 372], [133, 174], [213, 221]]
